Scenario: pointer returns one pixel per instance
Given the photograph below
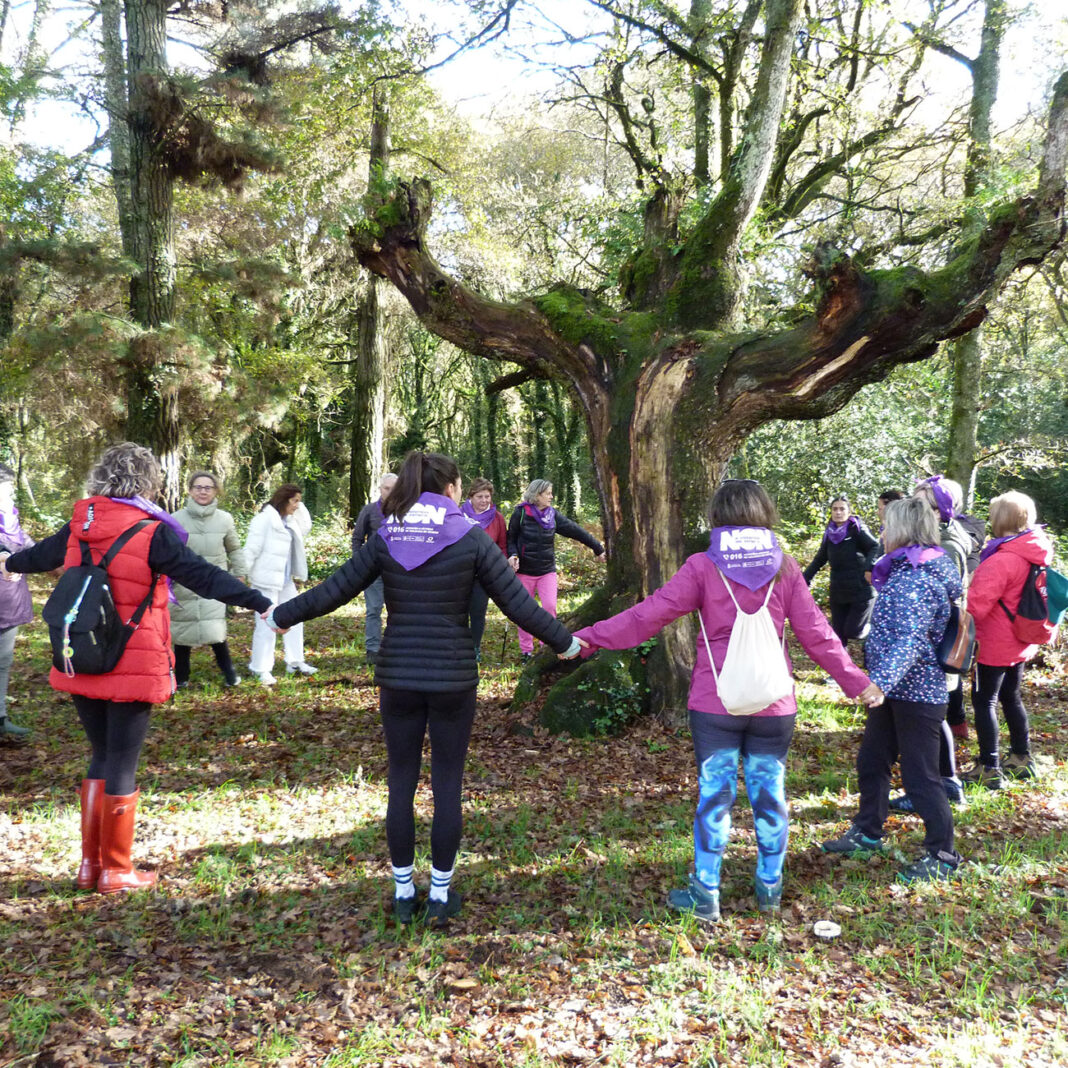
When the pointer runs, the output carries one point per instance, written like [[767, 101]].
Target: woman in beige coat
[[194, 620]]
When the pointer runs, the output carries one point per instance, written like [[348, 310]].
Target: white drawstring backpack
[[755, 673]]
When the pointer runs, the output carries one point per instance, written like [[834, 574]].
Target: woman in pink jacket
[[744, 565], [995, 593]]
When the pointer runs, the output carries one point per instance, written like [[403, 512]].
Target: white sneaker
[[265, 678], [303, 668]]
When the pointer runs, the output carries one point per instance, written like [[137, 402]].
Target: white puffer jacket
[[271, 542]]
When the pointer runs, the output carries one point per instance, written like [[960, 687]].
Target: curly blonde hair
[[125, 470]]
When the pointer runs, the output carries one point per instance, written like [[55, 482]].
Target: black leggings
[[851, 619], [116, 731], [222, 658], [406, 714], [990, 684]]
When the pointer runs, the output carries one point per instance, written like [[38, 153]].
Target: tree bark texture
[[668, 397], [152, 401]]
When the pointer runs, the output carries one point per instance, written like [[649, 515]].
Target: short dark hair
[[891, 495], [478, 485], [742, 502]]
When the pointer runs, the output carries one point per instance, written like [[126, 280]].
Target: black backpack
[[87, 634]]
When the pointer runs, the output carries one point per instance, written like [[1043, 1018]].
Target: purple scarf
[[994, 544], [941, 496], [915, 554], [156, 512], [483, 519], [545, 517], [836, 533], [750, 556], [433, 523]]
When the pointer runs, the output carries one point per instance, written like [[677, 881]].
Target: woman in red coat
[[995, 592], [114, 708], [479, 508]]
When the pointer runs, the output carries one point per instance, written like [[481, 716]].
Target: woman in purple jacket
[[744, 565], [16, 606]]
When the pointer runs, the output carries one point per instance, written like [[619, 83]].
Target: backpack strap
[[113, 551]]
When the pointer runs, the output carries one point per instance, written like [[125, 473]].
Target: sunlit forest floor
[[269, 940]]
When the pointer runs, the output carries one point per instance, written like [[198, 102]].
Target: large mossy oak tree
[[669, 377]]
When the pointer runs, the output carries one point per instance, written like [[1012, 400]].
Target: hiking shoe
[[954, 789], [1016, 766], [768, 898], [438, 913], [265, 678], [959, 731], [696, 899], [981, 775], [303, 668], [405, 908], [235, 681], [930, 868], [901, 803], [853, 841], [12, 735]]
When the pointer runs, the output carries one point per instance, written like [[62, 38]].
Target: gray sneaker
[[12, 735], [1016, 766], [697, 899], [853, 841]]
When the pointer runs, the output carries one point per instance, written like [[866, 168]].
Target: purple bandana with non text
[[915, 554], [941, 495], [836, 533], [483, 519], [156, 512], [750, 556], [545, 517], [433, 523]]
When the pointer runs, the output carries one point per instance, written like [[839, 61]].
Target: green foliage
[[601, 696]]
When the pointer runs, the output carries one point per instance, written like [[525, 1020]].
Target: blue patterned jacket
[[906, 626]]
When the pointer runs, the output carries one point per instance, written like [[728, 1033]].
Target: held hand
[[871, 696], [514, 562], [573, 650], [9, 576], [268, 618], [600, 559]]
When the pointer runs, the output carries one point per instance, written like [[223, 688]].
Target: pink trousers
[[543, 588]]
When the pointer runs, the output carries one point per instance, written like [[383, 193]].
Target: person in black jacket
[[429, 557], [531, 533], [365, 527], [850, 550]]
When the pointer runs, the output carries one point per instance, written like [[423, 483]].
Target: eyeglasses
[[204, 486]]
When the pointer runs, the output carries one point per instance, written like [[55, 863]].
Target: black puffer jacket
[[533, 544], [849, 560], [427, 644]]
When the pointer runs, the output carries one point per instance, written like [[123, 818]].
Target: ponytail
[[421, 472]]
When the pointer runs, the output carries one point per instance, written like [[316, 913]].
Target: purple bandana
[[749, 555], [483, 519], [433, 523], [156, 512], [915, 554], [545, 517], [838, 532], [941, 496], [994, 544]]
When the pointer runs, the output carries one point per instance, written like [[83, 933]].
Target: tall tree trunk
[[968, 351], [117, 103], [369, 368], [151, 384]]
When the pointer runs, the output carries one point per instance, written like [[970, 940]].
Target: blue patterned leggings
[[762, 743]]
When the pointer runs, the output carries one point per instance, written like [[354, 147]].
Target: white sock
[[439, 884], [404, 884]]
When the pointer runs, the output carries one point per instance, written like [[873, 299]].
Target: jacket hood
[[1034, 546]]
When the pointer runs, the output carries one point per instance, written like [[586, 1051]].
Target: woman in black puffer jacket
[[429, 557], [531, 552], [851, 551]]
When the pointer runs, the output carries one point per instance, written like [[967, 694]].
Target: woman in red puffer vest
[[114, 708], [995, 592]]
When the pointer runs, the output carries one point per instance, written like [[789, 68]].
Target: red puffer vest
[[144, 671]]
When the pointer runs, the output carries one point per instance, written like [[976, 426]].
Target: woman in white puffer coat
[[274, 550], [197, 620]]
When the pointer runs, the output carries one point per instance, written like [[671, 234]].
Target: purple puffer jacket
[[16, 605], [699, 584]]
